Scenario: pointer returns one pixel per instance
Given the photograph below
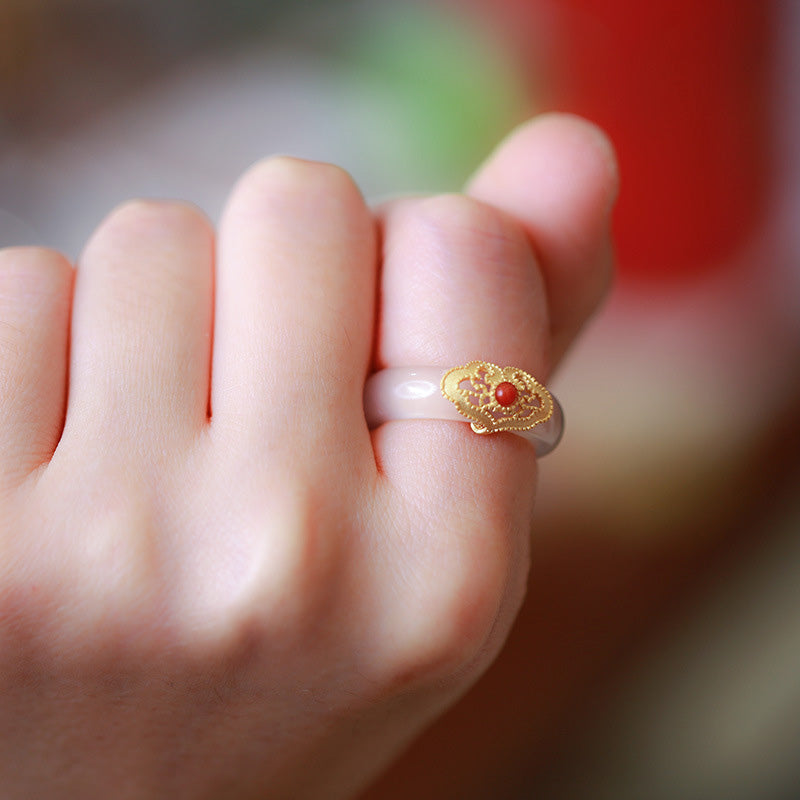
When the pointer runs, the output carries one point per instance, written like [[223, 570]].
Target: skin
[[215, 581]]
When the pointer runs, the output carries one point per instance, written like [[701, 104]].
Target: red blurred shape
[[683, 88]]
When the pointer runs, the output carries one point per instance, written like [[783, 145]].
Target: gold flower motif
[[473, 389]]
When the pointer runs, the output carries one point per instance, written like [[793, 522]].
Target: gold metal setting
[[473, 390]]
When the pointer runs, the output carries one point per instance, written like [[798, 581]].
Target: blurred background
[[658, 652]]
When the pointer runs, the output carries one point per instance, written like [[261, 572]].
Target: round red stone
[[505, 393]]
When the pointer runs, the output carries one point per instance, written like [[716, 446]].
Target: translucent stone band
[[416, 393]]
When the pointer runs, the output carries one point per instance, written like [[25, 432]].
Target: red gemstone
[[505, 393]]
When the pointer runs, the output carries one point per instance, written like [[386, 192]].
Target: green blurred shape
[[452, 92]]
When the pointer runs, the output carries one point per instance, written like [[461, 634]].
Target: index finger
[[557, 176]]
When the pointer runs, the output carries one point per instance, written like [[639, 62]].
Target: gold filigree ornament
[[497, 398]]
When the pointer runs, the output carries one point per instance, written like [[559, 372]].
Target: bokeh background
[[658, 652]]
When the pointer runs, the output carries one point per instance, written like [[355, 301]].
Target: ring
[[491, 398]]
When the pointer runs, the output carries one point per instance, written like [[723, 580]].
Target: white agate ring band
[[492, 398]]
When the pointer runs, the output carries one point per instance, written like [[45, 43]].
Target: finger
[[557, 176], [459, 282], [35, 295], [294, 308], [459, 277], [141, 328]]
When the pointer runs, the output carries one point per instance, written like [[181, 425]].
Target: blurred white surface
[[192, 136]]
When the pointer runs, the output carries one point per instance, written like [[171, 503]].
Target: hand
[[214, 580]]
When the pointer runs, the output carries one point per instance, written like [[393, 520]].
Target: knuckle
[[283, 180], [34, 298], [29, 272], [145, 211], [294, 562], [465, 226], [444, 629], [88, 571], [144, 224], [300, 173], [114, 593], [276, 581]]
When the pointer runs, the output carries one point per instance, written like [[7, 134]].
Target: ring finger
[[459, 283]]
